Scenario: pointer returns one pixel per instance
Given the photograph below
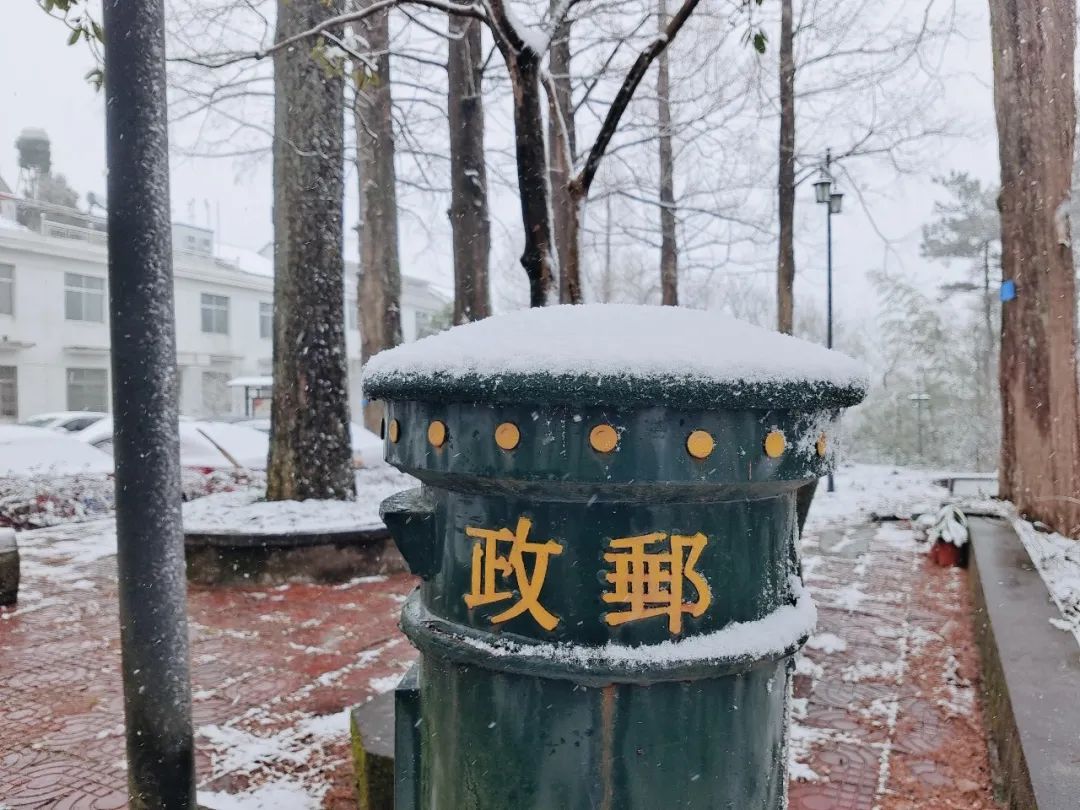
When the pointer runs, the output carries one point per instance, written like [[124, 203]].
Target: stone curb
[[236, 559], [1031, 674]]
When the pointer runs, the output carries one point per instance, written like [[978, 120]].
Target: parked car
[[367, 448], [32, 451], [204, 446], [70, 421]]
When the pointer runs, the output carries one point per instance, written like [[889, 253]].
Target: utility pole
[[150, 548]]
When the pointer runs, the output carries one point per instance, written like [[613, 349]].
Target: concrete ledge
[[1031, 674], [235, 559], [372, 728]]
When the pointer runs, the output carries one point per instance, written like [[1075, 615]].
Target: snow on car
[[31, 451], [70, 421], [204, 446], [367, 447]]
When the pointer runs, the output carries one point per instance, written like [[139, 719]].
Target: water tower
[[35, 160]]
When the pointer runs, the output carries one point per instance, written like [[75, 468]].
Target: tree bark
[[669, 255], [469, 218], [380, 281], [561, 172], [539, 258], [310, 449], [1033, 43], [785, 260]]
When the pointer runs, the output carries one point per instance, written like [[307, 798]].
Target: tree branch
[[580, 184], [463, 10]]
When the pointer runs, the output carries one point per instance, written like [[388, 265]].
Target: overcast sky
[[43, 86]]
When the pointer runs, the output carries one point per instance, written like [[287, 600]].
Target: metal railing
[[59, 230]]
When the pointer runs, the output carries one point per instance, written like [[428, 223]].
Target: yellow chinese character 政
[[489, 565], [651, 582]]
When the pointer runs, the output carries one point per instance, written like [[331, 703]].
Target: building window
[[84, 298], [87, 389], [215, 314], [7, 289], [215, 393], [266, 320], [9, 393]]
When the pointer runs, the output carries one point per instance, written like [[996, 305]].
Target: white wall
[[42, 344]]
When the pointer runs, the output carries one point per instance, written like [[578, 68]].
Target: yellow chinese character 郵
[[652, 582], [488, 565]]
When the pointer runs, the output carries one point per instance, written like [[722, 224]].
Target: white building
[[54, 337]]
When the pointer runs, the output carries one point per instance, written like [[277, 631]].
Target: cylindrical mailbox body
[[611, 593], [9, 567]]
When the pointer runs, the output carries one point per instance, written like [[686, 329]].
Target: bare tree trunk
[[607, 285], [469, 219], [561, 172], [1033, 43], [582, 182], [570, 267], [669, 252], [380, 282], [310, 450], [539, 258], [785, 260], [985, 389]]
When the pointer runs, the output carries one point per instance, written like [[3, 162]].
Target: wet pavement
[[885, 712], [273, 671]]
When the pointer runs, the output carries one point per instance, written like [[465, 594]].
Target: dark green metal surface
[[578, 390], [513, 714]]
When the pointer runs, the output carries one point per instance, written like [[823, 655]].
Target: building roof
[[58, 223]]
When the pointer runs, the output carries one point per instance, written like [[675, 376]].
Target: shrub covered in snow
[[949, 526], [34, 502]]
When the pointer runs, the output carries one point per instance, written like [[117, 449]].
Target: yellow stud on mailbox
[[507, 436], [436, 433], [700, 444], [603, 438], [394, 431], [775, 444]]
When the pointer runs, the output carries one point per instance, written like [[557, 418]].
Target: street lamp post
[[833, 202], [919, 399]]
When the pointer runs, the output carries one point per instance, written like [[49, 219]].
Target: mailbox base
[[487, 741]]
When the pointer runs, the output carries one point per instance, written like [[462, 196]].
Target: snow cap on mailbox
[[611, 394]]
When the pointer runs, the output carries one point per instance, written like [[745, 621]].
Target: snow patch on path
[[285, 794], [1057, 559]]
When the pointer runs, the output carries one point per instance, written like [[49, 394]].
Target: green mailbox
[[606, 537]]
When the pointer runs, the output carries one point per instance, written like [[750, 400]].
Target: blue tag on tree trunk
[[1008, 290]]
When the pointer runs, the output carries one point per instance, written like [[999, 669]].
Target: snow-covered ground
[[867, 490], [1058, 560], [882, 666], [890, 648], [246, 512]]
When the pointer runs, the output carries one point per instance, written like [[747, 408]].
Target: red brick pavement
[[886, 707], [885, 710], [272, 671]]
